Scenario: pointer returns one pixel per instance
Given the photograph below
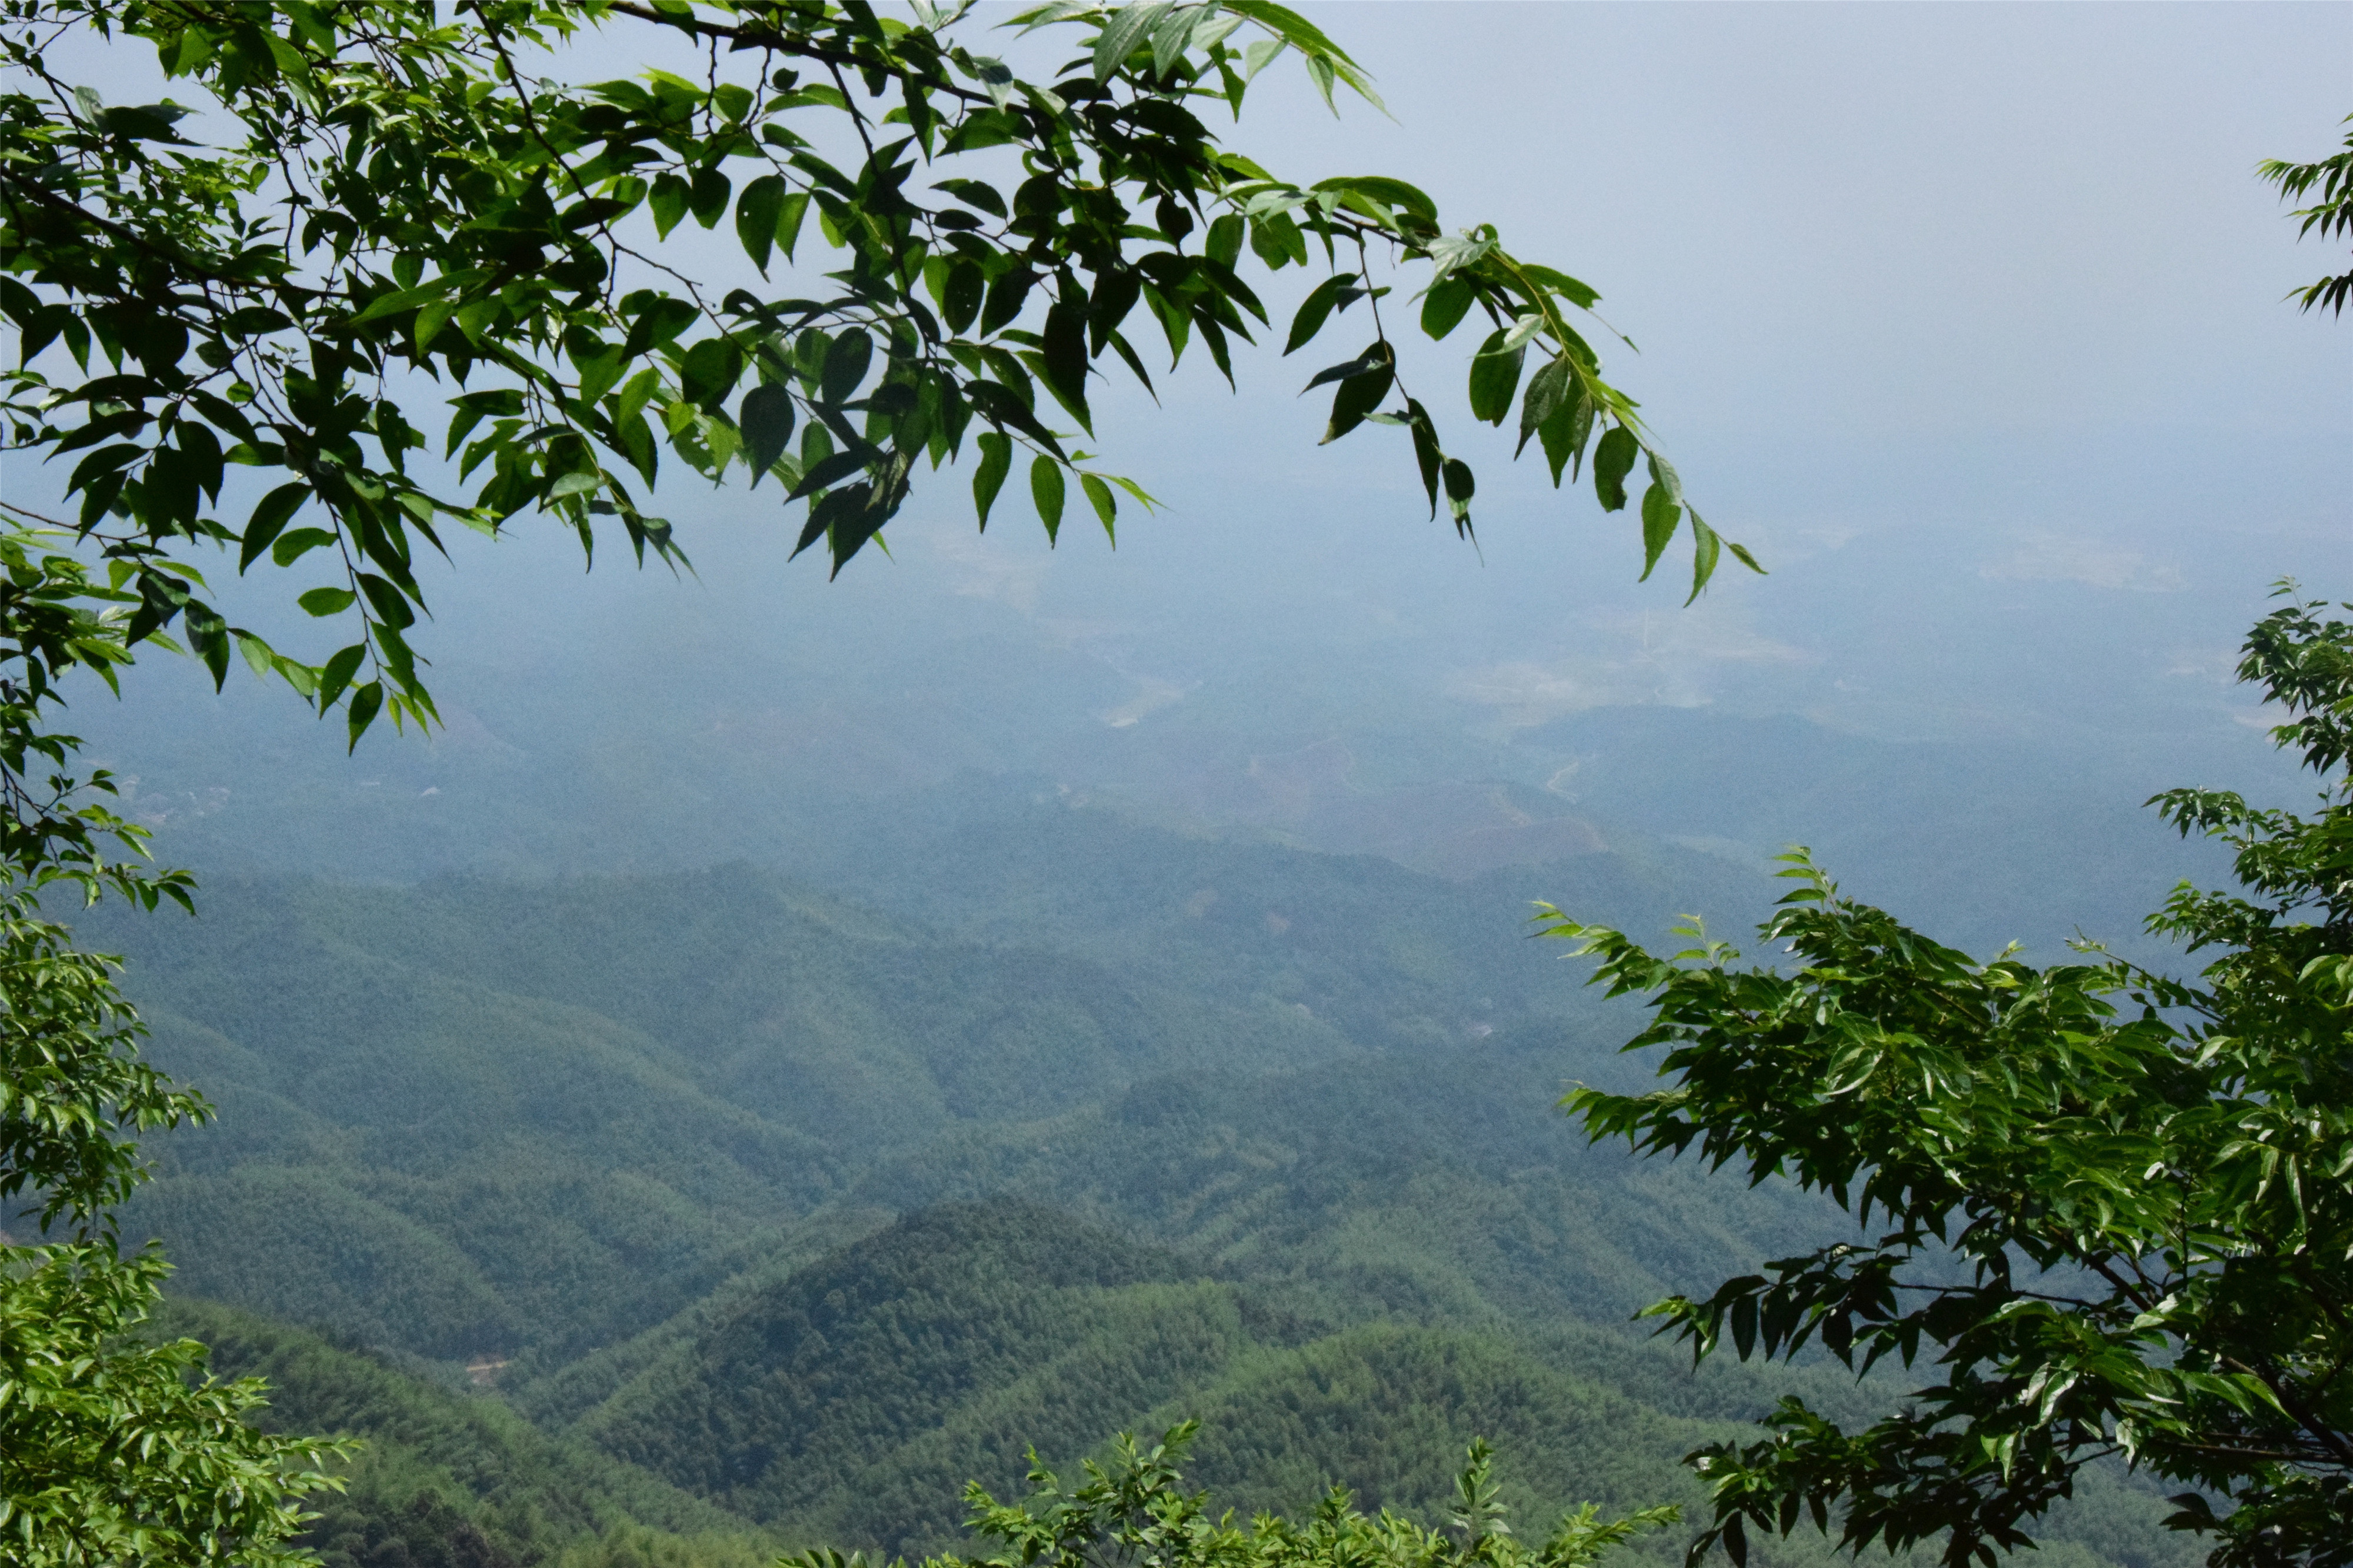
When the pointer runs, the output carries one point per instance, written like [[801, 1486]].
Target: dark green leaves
[[1316, 309], [269, 518], [960, 298], [1448, 302], [1613, 460], [767, 420], [1106, 505], [1046, 490], [1659, 517], [474, 241], [1494, 377], [1364, 380], [1064, 352], [756, 214], [1547, 389], [709, 371], [846, 359], [996, 462], [2117, 1169]]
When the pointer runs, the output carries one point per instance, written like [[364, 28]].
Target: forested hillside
[[805, 1214]]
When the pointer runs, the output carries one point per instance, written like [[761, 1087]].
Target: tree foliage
[[236, 315], [404, 195], [1136, 1509], [2331, 216], [2146, 1184], [111, 1451]]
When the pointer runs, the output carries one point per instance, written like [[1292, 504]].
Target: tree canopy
[[380, 271], [387, 207], [2118, 1206], [2331, 216], [1135, 1508]]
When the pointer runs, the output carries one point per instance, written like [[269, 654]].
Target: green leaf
[[1223, 243], [1494, 377], [409, 298], [1314, 311], [365, 704], [1358, 396], [667, 200], [1064, 350], [996, 462], [337, 673], [327, 601], [1276, 240], [271, 515], [846, 362], [1427, 454], [1659, 517], [707, 196], [1106, 506], [767, 420], [789, 216], [1565, 432], [386, 602], [1460, 488], [1706, 543], [1378, 354], [1577, 293], [709, 371], [826, 471], [1395, 196], [291, 546], [1005, 297], [960, 300], [1443, 308], [975, 194], [1046, 490], [1122, 31], [757, 211], [1547, 391], [1613, 460]]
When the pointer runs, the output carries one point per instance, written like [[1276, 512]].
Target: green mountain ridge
[[810, 1211]]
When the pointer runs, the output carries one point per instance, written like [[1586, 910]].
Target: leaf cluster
[[2331, 216], [2121, 1204], [1135, 1510], [403, 199], [113, 1450]]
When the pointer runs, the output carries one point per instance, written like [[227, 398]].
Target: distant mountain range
[[802, 1212]]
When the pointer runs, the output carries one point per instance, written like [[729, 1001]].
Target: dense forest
[[984, 1064], [723, 1210]]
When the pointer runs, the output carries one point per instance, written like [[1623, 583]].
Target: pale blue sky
[[1967, 317]]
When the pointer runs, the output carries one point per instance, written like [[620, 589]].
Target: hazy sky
[[1967, 317]]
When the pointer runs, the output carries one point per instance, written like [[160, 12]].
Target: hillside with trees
[[691, 1209]]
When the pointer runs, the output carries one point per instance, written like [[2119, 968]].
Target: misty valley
[[763, 805], [691, 1218]]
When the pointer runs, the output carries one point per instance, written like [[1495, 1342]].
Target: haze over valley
[[786, 1048]]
